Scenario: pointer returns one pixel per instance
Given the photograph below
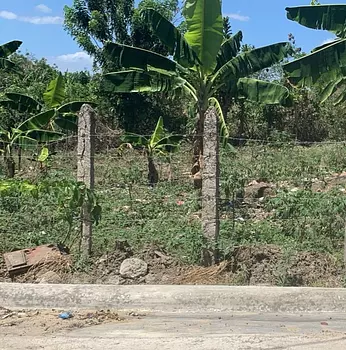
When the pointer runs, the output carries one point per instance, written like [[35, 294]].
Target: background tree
[[92, 24]]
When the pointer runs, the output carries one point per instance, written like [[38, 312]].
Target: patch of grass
[[168, 215]]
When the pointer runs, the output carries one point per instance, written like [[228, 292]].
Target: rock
[[258, 190], [133, 268], [49, 277], [318, 186]]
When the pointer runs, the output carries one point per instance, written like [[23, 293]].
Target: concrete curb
[[173, 298]]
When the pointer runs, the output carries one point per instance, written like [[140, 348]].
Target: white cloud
[[73, 62], [33, 20], [75, 57], [238, 17], [43, 8], [42, 20], [8, 15]]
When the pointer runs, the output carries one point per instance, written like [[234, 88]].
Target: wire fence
[[290, 194]]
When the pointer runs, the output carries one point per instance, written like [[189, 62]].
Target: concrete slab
[[189, 299], [185, 317], [201, 331]]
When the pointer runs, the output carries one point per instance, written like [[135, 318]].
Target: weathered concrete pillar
[[85, 169], [210, 187]]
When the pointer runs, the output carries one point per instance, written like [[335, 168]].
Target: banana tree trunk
[[10, 167], [153, 175], [210, 188], [10, 164], [198, 151], [19, 159]]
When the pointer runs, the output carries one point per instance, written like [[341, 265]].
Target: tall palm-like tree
[[201, 63]]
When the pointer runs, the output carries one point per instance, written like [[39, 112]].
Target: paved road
[[202, 331]]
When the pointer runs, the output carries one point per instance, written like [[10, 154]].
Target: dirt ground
[[259, 265], [40, 322]]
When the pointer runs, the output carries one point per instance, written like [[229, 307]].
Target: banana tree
[[201, 63], [63, 116], [5, 51], [26, 135], [325, 67], [159, 144]]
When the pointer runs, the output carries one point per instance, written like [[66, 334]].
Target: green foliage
[[91, 22], [259, 90], [130, 57], [63, 116], [32, 80], [229, 49], [325, 17], [324, 68], [55, 93], [65, 196], [124, 24], [167, 215], [307, 121], [311, 219]]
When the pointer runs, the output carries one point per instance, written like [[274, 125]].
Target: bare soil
[[40, 322]]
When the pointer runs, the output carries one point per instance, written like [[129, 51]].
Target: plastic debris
[[65, 315]]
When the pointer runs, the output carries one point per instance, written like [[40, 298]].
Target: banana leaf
[[23, 103], [37, 121], [320, 67], [171, 37], [55, 93], [9, 48], [133, 57], [136, 81], [263, 92], [253, 61], [229, 49], [67, 122], [323, 17], [204, 30], [6, 64]]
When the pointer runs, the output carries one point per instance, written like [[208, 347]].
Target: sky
[[39, 24]]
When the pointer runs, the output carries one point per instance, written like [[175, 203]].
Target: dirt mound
[[315, 269], [270, 265], [245, 265], [254, 265]]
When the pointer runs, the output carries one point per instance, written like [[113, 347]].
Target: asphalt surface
[[201, 330]]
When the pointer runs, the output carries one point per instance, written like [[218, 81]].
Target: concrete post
[[85, 169], [210, 187]]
